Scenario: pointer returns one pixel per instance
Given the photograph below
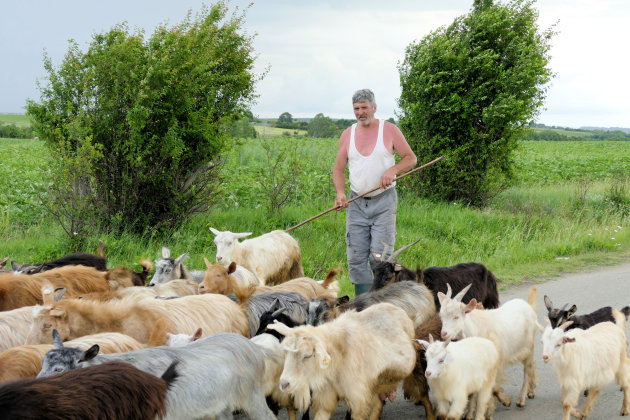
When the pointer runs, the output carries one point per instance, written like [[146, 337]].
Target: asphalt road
[[589, 290]]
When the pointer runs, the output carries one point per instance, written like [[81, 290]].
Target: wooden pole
[[365, 193]]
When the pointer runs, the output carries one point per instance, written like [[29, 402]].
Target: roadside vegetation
[[568, 209]]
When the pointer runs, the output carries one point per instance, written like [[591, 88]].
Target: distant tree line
[[552, 135], [12, 131]]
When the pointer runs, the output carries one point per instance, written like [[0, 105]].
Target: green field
[[19, 120], [569, 209]]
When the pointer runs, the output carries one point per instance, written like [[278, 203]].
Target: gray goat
[[167, 269], [217, 374]]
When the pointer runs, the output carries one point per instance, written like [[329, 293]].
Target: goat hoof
[[520, 404], [623, 413], [531, 395]]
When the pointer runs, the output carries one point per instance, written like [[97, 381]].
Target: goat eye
[[456, 318], [47, 326], [441, 360], [307, 356]]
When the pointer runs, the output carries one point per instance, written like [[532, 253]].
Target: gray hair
[[363, 95]]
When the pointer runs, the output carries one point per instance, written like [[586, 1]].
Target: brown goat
[[219, 279], [17, 290], [113, 390], [25, 361]]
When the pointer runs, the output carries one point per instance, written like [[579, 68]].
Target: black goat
[[559, 316], [276, 312], [80, 258]]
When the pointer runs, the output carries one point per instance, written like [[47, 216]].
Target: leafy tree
[[243, 129], [285, 117], [152, 115], [322, 127], [469, 91]]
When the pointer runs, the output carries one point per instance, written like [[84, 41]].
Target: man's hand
[[387, 178], [341, 202]]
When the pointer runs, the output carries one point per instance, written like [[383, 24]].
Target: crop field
[[20, 120], [569, 208]]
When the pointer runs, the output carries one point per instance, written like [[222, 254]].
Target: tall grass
[[530, 231]]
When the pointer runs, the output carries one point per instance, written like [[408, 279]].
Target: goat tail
[[419, 275], [532, 298], [620, 317], [101, 249], [330, 277], [159, 332]]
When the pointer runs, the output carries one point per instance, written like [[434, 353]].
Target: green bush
[[151, 116], [469, 90]]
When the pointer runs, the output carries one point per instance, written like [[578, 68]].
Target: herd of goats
[[252, 334]]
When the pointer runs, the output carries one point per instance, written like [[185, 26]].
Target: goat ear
[[197, 335], [57, 339], [423, 343], [462, 292], [179, 259], [341, 301], [214, 231], [377, 257], [280, 327], [90, 353], [572, 310], [324, 357], [232, 267], [441, 296], [564, 326], [242, 235], [471, 306], [397, 267], [208, 263], [15, 266], [548, 303], [166, 253], [568, 340]]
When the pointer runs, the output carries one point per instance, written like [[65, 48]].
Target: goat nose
[[444, 334], [427, 373], [219, 259], [284, 385], [545, 358]]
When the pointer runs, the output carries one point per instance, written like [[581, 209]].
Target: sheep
[[607, 313], [15, 326], [74, 318], [458, 369], [514, 325], [275, 256], [356, 357], [112, 390], [218, 374], [586, 359], [25, 361], [167, 269], [414, 298], [484, 283]]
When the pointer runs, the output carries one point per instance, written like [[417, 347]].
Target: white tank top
[[366, 171]]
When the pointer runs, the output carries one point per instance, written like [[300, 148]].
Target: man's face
[[364, 112]]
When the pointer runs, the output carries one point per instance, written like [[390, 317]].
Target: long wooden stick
[[365, 193]]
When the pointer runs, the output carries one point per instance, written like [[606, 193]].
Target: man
[[368, 147]]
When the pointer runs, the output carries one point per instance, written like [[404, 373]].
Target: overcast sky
[[319, 52]]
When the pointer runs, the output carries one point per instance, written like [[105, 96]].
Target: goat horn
[[449, 291], [386, 249], [462, 292], [395, 255]]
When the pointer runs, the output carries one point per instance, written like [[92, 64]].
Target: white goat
[[358, 357], [513, 324], [456, 370], [15, 325], [274, 363], [586, 359], [275, 256]]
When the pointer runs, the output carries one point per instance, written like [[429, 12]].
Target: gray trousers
[[370, 222]]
